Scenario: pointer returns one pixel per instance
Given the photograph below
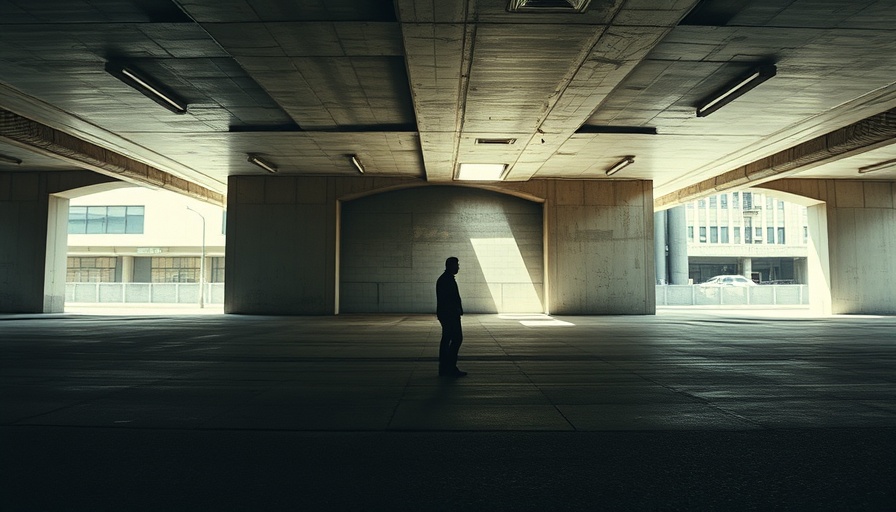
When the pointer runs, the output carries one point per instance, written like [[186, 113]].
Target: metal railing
[[142, 293], [762, 295]]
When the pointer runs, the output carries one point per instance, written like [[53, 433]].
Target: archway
[[393, 246]]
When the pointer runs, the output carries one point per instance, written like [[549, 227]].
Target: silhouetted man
[[449, 310]]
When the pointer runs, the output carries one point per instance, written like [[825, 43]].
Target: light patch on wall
[[505, 273]]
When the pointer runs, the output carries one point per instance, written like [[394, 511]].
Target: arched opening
[[756, 236], [119, 247], [393, 247]]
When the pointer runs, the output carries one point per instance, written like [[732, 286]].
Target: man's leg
[[445, 365], [457, 337]]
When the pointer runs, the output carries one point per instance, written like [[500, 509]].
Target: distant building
[[141, 235], [747, 233]]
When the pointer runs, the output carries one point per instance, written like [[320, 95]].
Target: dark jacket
[[448, 297]]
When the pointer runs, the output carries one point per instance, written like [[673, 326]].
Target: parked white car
[[728, 281]]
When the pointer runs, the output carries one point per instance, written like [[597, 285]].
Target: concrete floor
[[686, 410]]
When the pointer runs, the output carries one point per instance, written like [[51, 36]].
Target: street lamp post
[[201, 262]]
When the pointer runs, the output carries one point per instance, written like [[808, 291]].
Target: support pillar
[[676, 219], [659, 246]]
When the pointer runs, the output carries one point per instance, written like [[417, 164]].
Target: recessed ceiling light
[[548, 5], [496, 141], [481, 172]]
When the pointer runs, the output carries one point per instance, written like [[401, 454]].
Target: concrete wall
[[282, 250], [860, 227], [394, 245], [30, 282], [600, 247]]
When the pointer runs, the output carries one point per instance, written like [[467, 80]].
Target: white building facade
[[748, 233], [141, 235]]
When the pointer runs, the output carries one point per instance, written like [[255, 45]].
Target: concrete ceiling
[[409, 86]]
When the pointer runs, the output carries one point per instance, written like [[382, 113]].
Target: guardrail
[[142, 293], [762, 295]]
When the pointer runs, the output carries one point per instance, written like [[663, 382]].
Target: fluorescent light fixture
[[357, 164], [148, 87], [10, 160], [496, 141], [481, 172], [577, 6], [264, 164], [622, 164], [735, 89], [880, 166]]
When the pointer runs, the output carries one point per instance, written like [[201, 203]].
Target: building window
[[713, 202], [217, 275], [175, 270], [703, 235], [737, 234], [90, 270], [770, 239], [724, 234], [769, 203], [781, 205], [714, 235], [691, 233], [748, 200], [781, 236], [805, 234], [701, 203], [735, 200], [105, 220], [723, 200]]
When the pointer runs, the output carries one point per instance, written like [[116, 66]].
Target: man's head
[[452, 265]]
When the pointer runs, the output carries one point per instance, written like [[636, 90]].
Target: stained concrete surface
[[711, 410]]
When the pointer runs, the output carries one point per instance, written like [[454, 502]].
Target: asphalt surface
[[682, 411]]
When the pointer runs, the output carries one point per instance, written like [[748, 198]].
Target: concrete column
[[659, 246], [33, 234], [57, 250], [677, 228], [281, 246], [746, 267], [600, 247], [127, 269]]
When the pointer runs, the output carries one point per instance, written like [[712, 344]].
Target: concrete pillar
[[57, 250], [659, 246], [818, 261], [746, 267], [281, 246], [677, 228], [127, 269], [33, 234]]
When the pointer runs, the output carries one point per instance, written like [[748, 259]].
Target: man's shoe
[[458, 373]]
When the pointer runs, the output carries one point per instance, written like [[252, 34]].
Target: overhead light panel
[[622, 164], [148, 87], [573, 6], [735, 89], [357, 163], [10, 160], [481, 172], [880, 166], [264, 164], [496, 141]]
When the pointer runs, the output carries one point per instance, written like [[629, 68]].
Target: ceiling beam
[[865, 135], [54, 143]]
